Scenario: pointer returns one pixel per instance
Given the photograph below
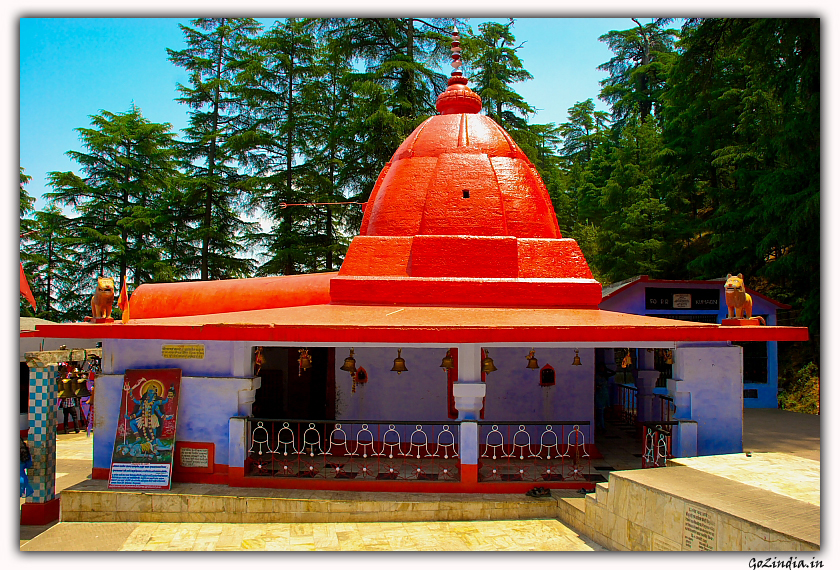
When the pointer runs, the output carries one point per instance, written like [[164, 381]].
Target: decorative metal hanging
[[66, 389], [487, 365], [304, 360], [532, 361], [576, 361], [669, 356], [626, 361], [259, 360], [448, 363], [399, 363], [349, 363], [80, 385]]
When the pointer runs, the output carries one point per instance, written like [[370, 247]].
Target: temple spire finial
[[456, 52], [458, 98]]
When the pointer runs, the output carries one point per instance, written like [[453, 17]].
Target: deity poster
[[145, 442]]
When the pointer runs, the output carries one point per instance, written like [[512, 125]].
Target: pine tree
[[495, 68], [50, 266], [127, 163], [215, 50], [638, 71]]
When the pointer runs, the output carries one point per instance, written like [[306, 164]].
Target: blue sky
[[71, 68]]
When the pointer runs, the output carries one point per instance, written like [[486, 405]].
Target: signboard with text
[[682, 299], [143, 448]]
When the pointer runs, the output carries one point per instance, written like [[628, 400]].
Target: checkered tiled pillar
[[42, 426]]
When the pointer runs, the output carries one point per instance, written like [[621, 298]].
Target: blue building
[[703, 301]]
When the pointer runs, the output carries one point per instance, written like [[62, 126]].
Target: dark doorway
[[24, 388], [286, 392]]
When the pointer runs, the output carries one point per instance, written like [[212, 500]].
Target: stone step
[[601, 492], [92, 501]]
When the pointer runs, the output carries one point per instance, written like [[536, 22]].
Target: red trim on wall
[[219, 476]]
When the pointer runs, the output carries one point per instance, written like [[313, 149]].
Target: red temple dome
[[460, 216]]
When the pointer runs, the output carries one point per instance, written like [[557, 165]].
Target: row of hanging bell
[[74, 386], [304, 360]]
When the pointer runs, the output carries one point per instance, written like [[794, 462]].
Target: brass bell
[[349, 363], [81, 387], [532, 361], [66, 389], [576, 361], [487, 365], [448, 363], [626, 361], [669, 356], [399, 363], [304, 360]]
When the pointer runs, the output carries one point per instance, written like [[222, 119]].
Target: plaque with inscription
[[194, 351], [700, 529], [670, 298], [194, 457]]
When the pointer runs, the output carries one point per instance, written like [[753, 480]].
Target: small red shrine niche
[[547, 375]]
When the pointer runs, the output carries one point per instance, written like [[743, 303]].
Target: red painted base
[[752, 322], [37, 514], [235, 477]]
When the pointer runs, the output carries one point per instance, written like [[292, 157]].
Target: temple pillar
[[646, 378], [469, 392], [42, 507]]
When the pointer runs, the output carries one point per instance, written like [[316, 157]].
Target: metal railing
[[534, 451], [352, 449], [657, 438], [628, 403], [666, 407]]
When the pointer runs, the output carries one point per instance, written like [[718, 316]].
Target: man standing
[[69, 406]]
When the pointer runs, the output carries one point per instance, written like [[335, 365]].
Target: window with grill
[[755, 362]]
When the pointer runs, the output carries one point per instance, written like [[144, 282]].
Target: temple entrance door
[[285, 393]]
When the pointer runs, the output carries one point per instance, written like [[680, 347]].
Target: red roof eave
[[341, 324]]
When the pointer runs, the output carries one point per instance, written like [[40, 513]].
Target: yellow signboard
[[195, 351]]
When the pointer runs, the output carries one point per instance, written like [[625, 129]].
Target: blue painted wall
[[716, 401], [222, 359], [204, 410], [632, 300]]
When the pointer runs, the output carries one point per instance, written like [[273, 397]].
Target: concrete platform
[[725, 503], [92, 501]]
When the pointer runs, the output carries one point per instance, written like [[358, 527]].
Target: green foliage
[[216, 52], [495, 68], [26, 200], [127, 164], [800, 391], [707, 162]]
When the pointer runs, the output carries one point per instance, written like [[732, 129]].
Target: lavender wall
[[221, 358], [712, 376], [513, 391], [417, 395], [204, 410]]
